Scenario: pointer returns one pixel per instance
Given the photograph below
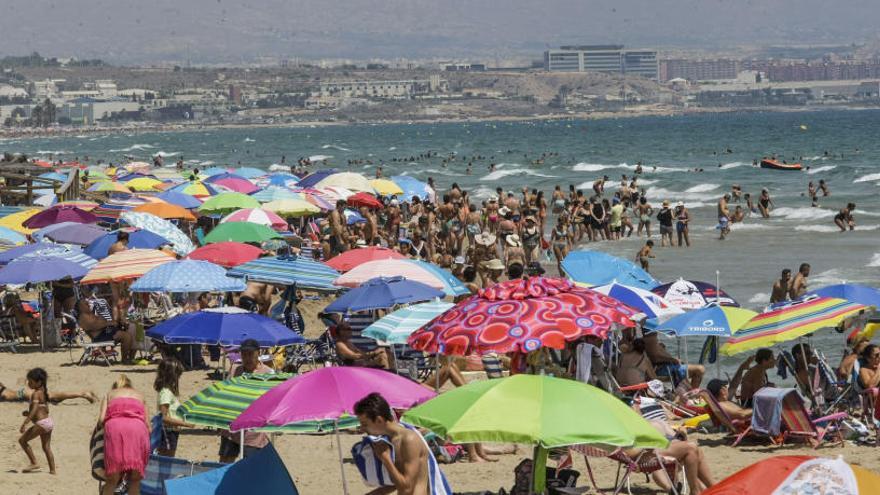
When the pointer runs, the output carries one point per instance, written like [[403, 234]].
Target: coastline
[[660, 111]]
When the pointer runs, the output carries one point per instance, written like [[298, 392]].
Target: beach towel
[[767, 410], [96, 453], [374, 473]]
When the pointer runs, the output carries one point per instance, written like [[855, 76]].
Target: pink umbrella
[[58, 214], [257, 215], [328, 393], [388, 268], [236, 184]]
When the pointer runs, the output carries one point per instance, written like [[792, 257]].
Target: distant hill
[[204, 31]]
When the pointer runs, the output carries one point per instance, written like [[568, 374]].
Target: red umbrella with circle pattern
[[522, 316]]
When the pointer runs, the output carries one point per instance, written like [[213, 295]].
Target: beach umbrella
[[197, 189], [79, 203], [54, 176], [143, 184], [179, 199], [861, 294], [412, 187], [288, 270], [212, 179], [142, 167], [10, 236], [58, 214], [11, 254], [46, 200], [711, 320], [651, 305], [690, 294], [70, 233], [272, 193], [279, 179], [69, 253], [227, 202], [419, 271], [537, 410], [180, 242], [316, 198], [382, 293], [385, 187], [523, 316], [167, 211], [233, 183], [349, 180], [353, 257], [259, 216], [798, 319], [217, 405], [328, 394], [95, 172], [226, 254], [14, 221], [112, 210], [250, 172], [125, 265], [332, 194], [396, 327], [223, 326], [109, 186], [352, 217], [599, 268], [292, 207], [798, 474], [215, 171], [188, 276], [364, 199], [137, 239], [36, 269], [316, 177], [240, 232]]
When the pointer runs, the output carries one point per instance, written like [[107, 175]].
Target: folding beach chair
[[8, 333], [645, 462], [96, 352], [797, 422], [738, 429]]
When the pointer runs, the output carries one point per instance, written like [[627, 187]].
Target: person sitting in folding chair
[[95, 318], [666, 365], [719, 390], [351, 355]]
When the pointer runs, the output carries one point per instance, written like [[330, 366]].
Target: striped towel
[[374, 473]]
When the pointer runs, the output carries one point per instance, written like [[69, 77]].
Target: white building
[[612, 59], [382, 89]]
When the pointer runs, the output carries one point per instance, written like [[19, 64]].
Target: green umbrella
[[219, 404], [241, 232], [228, 202], [538, 410]]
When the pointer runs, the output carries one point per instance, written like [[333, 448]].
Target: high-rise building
[[613, 59]]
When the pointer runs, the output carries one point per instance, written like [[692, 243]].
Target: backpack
[[556, 478]]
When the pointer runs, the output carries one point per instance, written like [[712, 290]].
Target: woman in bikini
[[561, 240]]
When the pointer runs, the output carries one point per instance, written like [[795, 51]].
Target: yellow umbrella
[[109, 186], [292, 207], [15, 220], [126, 265], [386, 187], [143, 184]]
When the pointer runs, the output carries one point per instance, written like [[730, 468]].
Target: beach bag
[[556, 478], [853, 429], [96, 453]]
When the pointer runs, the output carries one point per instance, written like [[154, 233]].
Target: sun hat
[[485, 239], [503, 211], [493, 264], [513, 240]]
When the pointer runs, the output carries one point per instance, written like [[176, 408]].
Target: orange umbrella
[[167, 211]]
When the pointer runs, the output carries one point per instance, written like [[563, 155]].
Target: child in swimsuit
[[38, 414]]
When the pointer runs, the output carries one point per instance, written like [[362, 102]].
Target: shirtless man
[[409, 468], [724, 216], [371, 228], [599, 186], [781, 288], [799, 285], [256, 298], [756, 377], [844, 218], [121, 243], [338, 241], [666, 365]]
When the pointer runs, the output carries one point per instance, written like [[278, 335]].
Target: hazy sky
[[133, 31]]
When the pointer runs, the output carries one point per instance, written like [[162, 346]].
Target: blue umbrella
[[10, 236], [53, 176], [187, 276], [644, 301], [11, 254], [412, 187], [225, 175], [598, 268], [383, 292], [352, 217], [70, 233], [143, 239], [861, 294], [273, 193], [288, 270], [282, 179], [214, 171], [36, 269], [250, 172], [69, 253], [711, 320], [224, 326], [312, 179], [180, 199]]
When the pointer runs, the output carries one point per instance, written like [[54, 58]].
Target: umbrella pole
[[687, 373], [717, 341], [42, 315], [241, 445], [807, 369], [539, 470], [339, 451]]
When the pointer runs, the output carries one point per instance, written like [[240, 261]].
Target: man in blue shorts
[[666, 365]]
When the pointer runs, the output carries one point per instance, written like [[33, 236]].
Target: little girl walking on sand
[[38, 414]]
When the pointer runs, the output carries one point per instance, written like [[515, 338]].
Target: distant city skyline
[[229, 31]]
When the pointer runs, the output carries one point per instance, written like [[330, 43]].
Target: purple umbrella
[[58, 214], [71, 233], [7, 256], [35, 269], [315, 177]]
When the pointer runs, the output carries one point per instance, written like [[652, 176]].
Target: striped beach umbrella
[[197, 189], [240, 232], [110, 211], [790, 322], [126, 265], [73, 254], [257, 215], [219, 404], [167, 211], [289, 270], [396, 327]]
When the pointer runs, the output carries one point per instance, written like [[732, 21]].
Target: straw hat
[[493, 264], [513, 240], [503, 211], [485, 239]]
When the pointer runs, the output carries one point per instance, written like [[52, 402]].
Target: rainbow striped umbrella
[[197, 188], [790, 322], [126, 265]]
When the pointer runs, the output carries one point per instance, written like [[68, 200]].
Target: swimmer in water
[[844, 219]]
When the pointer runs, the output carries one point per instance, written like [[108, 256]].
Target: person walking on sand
[[42, 424]]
